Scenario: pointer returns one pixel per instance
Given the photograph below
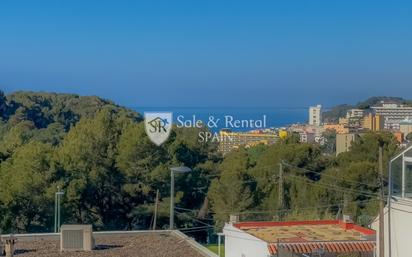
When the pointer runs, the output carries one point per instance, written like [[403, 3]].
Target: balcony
[[401, 174]]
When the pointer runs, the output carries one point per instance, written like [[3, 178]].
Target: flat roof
[[113, 245], [305, 231]]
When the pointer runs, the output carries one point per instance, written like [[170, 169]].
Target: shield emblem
[[158, 126]]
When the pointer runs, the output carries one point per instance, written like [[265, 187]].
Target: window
[[396, 176], [408, 179]]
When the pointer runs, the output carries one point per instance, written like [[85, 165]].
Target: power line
[[331, 176], [293, 166], [194, 228], [295, 209], [198, 221], [337, 188]]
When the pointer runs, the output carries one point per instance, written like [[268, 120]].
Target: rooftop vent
[[76, 238], [347, 219], [233, 219]]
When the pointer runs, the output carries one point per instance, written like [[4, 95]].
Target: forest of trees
[[98, 153]]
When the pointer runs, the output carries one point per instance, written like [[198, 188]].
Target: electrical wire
[[331, 176], [337, 188]]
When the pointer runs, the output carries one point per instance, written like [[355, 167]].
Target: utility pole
[[155, 210], [381, 206], [281, 191], [173, 170], [172, 200], [57, 203]]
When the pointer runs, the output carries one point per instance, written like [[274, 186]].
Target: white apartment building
[[315, 115], [354, 113], [393, 114]]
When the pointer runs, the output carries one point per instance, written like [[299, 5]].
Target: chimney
[[233, 219], [346, 222], [9, 246], [347, 219]]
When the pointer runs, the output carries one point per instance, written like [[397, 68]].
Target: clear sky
[[209, 53]]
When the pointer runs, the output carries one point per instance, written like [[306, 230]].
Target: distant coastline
[[276, 117]]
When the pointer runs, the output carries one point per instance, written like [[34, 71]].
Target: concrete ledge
[[200, 248]]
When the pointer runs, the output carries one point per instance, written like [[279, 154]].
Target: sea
[[276, 117]]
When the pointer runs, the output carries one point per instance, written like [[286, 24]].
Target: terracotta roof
[[332, 247], [305, 236]]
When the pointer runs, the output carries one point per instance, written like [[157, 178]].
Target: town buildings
[[354, 114], [297, 239], [393, 114], [233, 140], [307, 133], [338, 128], [373, 122], [344, 142], [315, 115]]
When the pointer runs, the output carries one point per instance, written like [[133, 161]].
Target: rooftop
[[305, 236], [158, 244], [305, 231]]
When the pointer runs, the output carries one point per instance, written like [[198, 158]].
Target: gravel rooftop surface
[[158, 245]]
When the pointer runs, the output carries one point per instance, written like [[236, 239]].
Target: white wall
[[401, 229], [315, 115], [241, 244]]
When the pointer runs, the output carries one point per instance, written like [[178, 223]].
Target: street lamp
[[219, 244], [57, 201], [181, 169]]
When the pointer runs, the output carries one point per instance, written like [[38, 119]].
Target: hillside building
[[354, 114], [315, 115], [373, 122], [338, 128], [234, 140], [344, 142], [393, 114]]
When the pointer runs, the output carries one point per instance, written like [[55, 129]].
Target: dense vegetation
[[99, 154]]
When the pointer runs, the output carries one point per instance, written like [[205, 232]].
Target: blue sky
[[209, 53]]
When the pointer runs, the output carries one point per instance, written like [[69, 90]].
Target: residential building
[[307, 133], [398, 212], [373, 122], [315, 115], [339, 128], [354, 114], [297, 239], [233, 140], [393, 114], [405, 127], [344, 142], [306, 137], [344, 121]]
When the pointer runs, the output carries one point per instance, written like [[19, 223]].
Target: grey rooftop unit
[[76, 238]]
